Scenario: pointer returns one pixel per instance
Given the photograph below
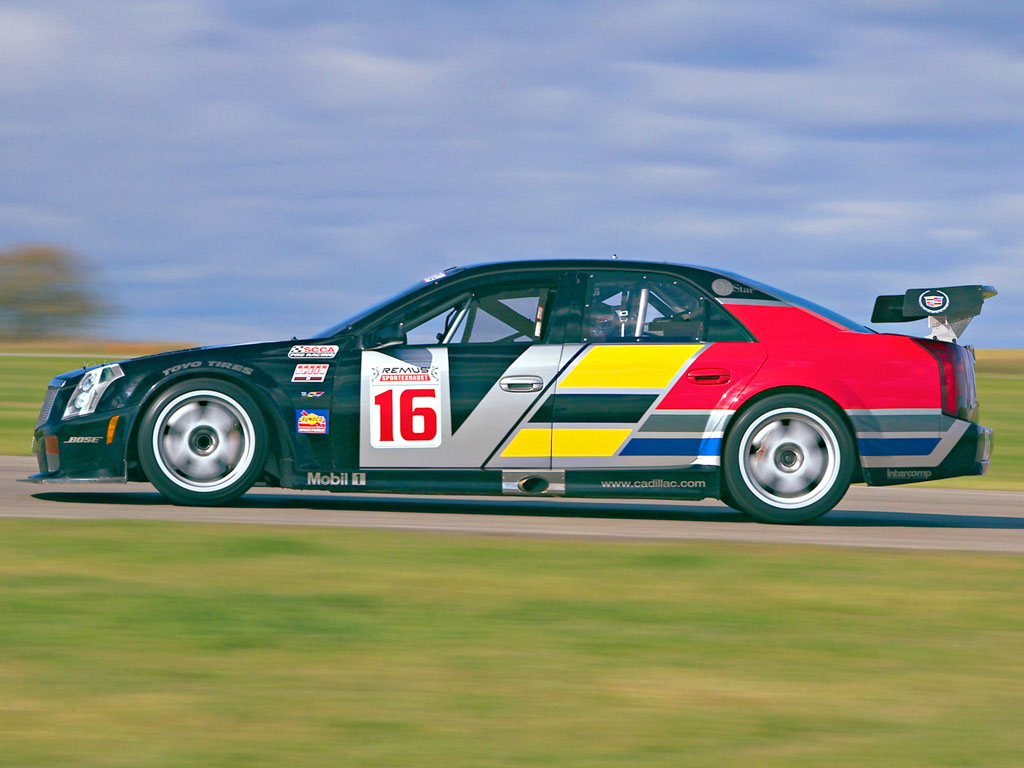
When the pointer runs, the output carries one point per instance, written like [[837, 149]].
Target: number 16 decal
[[416, 417], [405, 398]]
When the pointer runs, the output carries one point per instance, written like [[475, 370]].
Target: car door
[[653, 369], [472, 366]]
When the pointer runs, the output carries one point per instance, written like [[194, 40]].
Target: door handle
[[708, 376], [522, 383]]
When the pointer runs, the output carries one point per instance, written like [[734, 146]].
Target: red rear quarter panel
[[857, 370]]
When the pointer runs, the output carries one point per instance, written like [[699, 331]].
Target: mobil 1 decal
[[405, 397]]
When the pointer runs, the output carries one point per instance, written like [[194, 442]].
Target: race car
[[590, 378]]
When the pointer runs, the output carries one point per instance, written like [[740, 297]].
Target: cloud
[[254, 171]]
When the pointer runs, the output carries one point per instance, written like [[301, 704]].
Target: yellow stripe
[[618, 366], [528, 443], [587, 442], [533, 443]]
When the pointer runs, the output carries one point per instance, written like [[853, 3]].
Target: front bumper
[[89, 449], [969, 456]]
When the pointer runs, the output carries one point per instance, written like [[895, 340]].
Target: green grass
[[1000, 375], [153, 644]]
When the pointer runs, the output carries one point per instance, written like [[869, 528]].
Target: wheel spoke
[[803, 434], [221, 420], [790, 485]]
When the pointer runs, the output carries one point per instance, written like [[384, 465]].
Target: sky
[[235, 172]]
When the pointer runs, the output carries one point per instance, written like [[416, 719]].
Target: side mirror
[[385, 336]]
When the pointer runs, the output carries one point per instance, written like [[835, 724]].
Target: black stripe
[[473, 369], [598, 409]]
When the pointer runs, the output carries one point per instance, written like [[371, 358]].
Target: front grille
[[47, 406]]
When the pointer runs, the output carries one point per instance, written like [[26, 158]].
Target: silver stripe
[[936, 457]]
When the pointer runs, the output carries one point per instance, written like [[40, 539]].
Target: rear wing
[[949, 310]]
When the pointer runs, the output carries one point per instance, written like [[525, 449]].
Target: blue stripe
[[897, 446], [672, 446]]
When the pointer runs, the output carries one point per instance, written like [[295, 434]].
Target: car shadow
[[680, 511]]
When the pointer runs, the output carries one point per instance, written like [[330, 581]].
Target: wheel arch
[[278, 449], [858, 474]]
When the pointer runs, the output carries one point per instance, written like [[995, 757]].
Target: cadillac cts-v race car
[[576, 378]]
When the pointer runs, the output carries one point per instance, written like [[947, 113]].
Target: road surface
[[898, 518]]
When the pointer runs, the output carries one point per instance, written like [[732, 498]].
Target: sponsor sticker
[[244, 369], [313, 394], [311, 422], [934, 302], [435, 276], [908, 474], [405, 401], [655, 483], [313, 351], [722, 287], [335, 478], [310, 373], [83, 440]]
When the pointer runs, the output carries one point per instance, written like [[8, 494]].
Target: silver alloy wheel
[[203, 441], [789, 458]]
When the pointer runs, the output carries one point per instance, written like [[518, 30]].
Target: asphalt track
[[892, 518]]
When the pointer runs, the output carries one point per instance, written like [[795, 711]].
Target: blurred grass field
[[162, 644], [1000, 374]]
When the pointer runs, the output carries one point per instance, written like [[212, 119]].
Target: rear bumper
[[970, 455]]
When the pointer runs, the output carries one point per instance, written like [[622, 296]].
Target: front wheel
[[788, 459], [203, 442]]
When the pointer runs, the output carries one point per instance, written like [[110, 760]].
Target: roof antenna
[[615, 248]]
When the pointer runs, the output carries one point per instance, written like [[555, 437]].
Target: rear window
[[798, 301]]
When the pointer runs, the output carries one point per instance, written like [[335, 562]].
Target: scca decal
[[322, 351]]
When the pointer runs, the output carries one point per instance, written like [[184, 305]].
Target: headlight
[[90, 389]]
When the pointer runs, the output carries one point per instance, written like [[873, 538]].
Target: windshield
[[835, 317], [337, 328]]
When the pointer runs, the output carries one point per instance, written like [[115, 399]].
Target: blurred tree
[[44, 290]]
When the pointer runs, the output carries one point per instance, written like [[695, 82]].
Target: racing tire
[[203, 442], [787, 459]]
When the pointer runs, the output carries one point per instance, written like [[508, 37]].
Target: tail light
[[956, 377]]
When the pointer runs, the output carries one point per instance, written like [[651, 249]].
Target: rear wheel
[[788, 459], [203, 442]]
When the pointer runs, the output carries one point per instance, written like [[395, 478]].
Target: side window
[[505, 316], [425, 330], [509, 314], [632, 306]]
